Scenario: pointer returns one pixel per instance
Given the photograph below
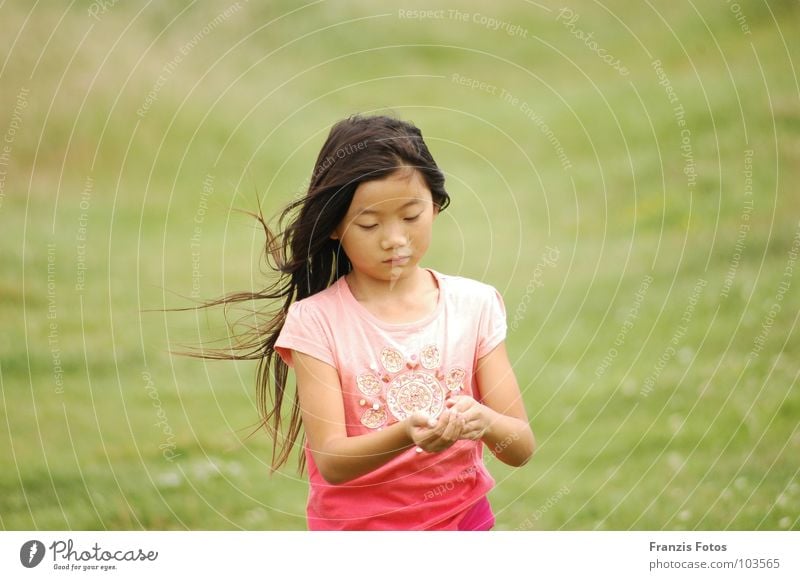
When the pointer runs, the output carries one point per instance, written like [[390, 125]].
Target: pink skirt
[[479, 518]]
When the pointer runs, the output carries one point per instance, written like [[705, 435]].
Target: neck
[[406, 300], [366, 289]]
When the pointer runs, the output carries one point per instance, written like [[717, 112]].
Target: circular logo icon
[[412, 392], [31, 553]]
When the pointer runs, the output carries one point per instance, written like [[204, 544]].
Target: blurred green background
[[624, 173]]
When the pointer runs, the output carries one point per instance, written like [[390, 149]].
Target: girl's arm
[[340, 458], [501, 421]]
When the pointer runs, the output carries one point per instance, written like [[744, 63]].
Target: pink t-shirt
[[387, 371]]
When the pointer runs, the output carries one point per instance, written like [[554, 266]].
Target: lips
[[397, 259]]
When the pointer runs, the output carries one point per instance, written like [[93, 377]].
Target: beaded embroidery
[[455, 379], [429, 357], [404, 386], [368, 384], [374, 418], [391, 359], [415, 391]]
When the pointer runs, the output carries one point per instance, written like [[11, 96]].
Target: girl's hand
[[433, 436], [476, 416]]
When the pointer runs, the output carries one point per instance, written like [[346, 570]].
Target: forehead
[[393, 192]]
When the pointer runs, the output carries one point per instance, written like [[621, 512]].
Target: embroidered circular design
[[455, 378], [429, 357], [412, 392], [368, 384], [392, 360], [374, 418]]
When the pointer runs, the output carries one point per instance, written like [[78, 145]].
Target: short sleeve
[[492, 326], [305, 331]]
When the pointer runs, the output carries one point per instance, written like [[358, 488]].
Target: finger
[[454, 400], [441, 424], [432, 445], [450, 420], [471, 434], [462, 403], [454, 427], [419, 419], [424, 438], [473, 417], [474, 424], [432, 438]]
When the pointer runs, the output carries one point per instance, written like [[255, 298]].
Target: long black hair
[[358, 149]]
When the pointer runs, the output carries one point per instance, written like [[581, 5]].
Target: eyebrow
[[376, 212]]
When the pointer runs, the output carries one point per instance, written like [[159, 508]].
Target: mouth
[[397, 260]]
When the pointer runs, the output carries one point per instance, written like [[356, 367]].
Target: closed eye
[[414, 218], [364, 227]]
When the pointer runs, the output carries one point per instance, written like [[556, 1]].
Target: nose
[[394, 237]]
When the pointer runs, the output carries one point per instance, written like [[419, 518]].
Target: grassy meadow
[[624, 173]]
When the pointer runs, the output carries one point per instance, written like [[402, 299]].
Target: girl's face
[[387, 228]]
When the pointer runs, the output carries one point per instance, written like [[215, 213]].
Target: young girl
[[402, 373]]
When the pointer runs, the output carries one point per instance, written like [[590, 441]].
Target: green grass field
[[624, 173]]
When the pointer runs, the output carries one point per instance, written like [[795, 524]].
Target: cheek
[[355, 242], [348, 232], [423, 231]]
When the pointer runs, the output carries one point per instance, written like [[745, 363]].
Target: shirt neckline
[[344, 289]]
